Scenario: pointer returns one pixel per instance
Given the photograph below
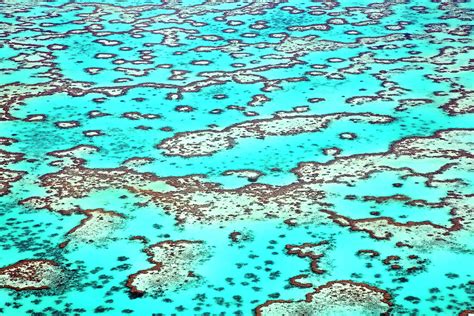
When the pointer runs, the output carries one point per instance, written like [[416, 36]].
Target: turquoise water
[[236, 158]]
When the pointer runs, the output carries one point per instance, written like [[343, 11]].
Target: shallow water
[[212, 157]]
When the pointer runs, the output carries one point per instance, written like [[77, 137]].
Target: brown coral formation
[[97, 227], [209, 142], [334, 298], [8, 176], [174, 262], [313, 251], [35, 274], [192, 199]]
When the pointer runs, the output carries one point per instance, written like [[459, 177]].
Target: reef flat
[[203, 157]]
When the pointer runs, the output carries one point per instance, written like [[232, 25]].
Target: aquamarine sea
[[211, 157]]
